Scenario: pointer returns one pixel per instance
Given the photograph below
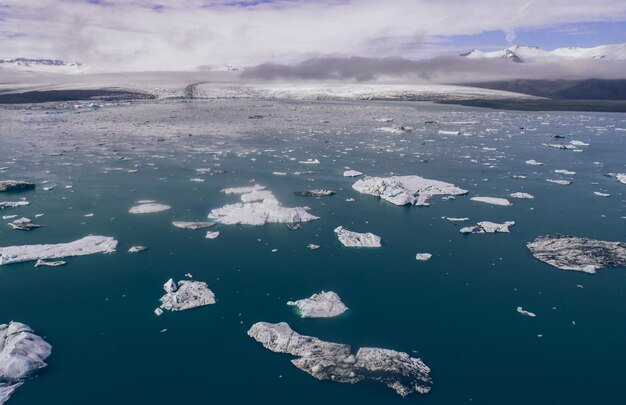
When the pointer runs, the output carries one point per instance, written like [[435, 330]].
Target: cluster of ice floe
[[258, 206], [326, 304], [148, 207], [185, 294], [21, 354], [86, 246], [402, 190], [15, 185], [488, 227], [336, 362], [580, 254], [356, 239], [492, 200]]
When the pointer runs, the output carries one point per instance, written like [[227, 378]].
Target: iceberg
[[522, 195], [355, 239], [621, 177], [522, 311], [492, 200], [322, 305], [22, 353], [352, 173], [12, 204], [258, 207], [488, 227], [402, 190], [186, 294], [192, 225], [148, 208], [24, 224], [580, 254], [15, 185], [86, 246], [336, 362]]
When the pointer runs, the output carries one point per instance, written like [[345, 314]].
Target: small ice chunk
[[313, 246], [533, 162], [13, 204], [212, 235], [23, 224], [137, 249], [49, 264], [560, 182], [423, 256], [525, 313]]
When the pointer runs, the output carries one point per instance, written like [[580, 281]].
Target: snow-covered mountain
[[41, 65], [524, 53]]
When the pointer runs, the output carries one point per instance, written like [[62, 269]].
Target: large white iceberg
[[258, 207], [336, 362], [326, 304], [402, 190], [21, 354], [488, 227], [356, 239], [86, 246], [186, 294]]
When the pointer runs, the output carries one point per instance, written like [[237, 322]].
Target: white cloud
[[136, 35]]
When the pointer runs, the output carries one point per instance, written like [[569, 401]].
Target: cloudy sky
[[121, 35]]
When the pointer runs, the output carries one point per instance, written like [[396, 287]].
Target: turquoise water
[[455, 311]]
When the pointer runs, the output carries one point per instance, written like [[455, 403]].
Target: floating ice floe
[[212, 235], [22, 353], [352, 173], [488, 227], [86, 246], [148, 208], [621, 177], [560, 182], [258, 207], [441, 132], [313, 246], [15, 185], [560, 146], [355, 239], [402, 190], [599, 194], [578, 143], [326, 304], [137, 249], [423, 256], [336, 362], [186, 294], [12, 204], [309, 162], [522, 196], [24, 224], [565, 172], [318, 192], [452, 219], [579, 254], [49, 264], [492, 200], [522, 311], [395, 129], [192, 225], [533, 162]]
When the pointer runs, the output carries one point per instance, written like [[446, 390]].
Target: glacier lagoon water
[[455, 311]]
